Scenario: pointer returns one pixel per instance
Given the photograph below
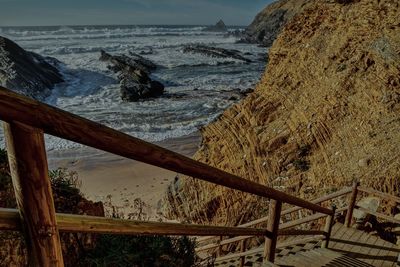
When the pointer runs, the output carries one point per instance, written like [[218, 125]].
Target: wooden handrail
[[10, 220], [336, 194], [302, 220], [301, 232], [56, 122], [378, 193], [379, 215], [333, 195], [319, 200], [279, 246]]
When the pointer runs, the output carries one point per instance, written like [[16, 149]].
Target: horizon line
[[139, 24]]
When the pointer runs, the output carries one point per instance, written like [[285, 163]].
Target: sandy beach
[[120, 182]]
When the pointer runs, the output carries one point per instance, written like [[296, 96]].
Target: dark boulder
[[134, 61], [133, 75], [215, 52], [218, 27], [137, 85], [26, 72]]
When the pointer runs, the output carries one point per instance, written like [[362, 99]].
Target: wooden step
[[347, 246], [320, 258]]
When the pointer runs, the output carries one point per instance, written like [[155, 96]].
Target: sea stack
[[218, 27], [133, 74]]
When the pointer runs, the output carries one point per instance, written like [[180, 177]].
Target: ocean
[[198, 88]]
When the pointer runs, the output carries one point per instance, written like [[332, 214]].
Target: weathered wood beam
[[379, 215], [301, 221], [330, 220], [300, 232], [379, 194], [336, 194], [275, 208], [352, 203], [29, 172], [54, 121], [9, 220]]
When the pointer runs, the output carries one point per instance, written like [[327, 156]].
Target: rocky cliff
[[326, 112], [269, 22], [26, 72]]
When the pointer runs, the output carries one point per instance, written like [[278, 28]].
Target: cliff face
[[270, 21], [326, 112]]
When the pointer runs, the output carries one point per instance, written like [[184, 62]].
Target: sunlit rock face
[[325, 113]]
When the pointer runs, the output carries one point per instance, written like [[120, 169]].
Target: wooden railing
[[26, 122], [382, 195], [284, 229]]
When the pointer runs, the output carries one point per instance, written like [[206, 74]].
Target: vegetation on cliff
[[88, 249], [325, 113]]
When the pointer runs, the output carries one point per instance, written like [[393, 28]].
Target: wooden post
[[330, 219], [275, 208], [352, 204], [219, 251], [29, 171], [242, 249]]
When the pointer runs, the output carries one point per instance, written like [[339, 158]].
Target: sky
[[120, 12]]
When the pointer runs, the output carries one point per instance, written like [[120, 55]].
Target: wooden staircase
[[347, 247], [320, 258], [296, 241]]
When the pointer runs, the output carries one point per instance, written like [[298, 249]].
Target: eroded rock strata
[[326, 112]]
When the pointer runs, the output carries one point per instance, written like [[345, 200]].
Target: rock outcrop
[[270, 21], [329, 99], [218, 27], [215, 52], [133, 75], [26, 72]]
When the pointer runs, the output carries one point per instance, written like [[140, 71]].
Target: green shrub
[[65, 182], [109, 250], [3, 156], [146, 251], [301, 165]]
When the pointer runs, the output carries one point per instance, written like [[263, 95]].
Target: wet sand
[[120, 182]]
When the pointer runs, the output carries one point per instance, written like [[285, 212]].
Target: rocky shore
[[215, 52], [26, 72]]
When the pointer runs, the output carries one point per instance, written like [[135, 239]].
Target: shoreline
[[123, 185]]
